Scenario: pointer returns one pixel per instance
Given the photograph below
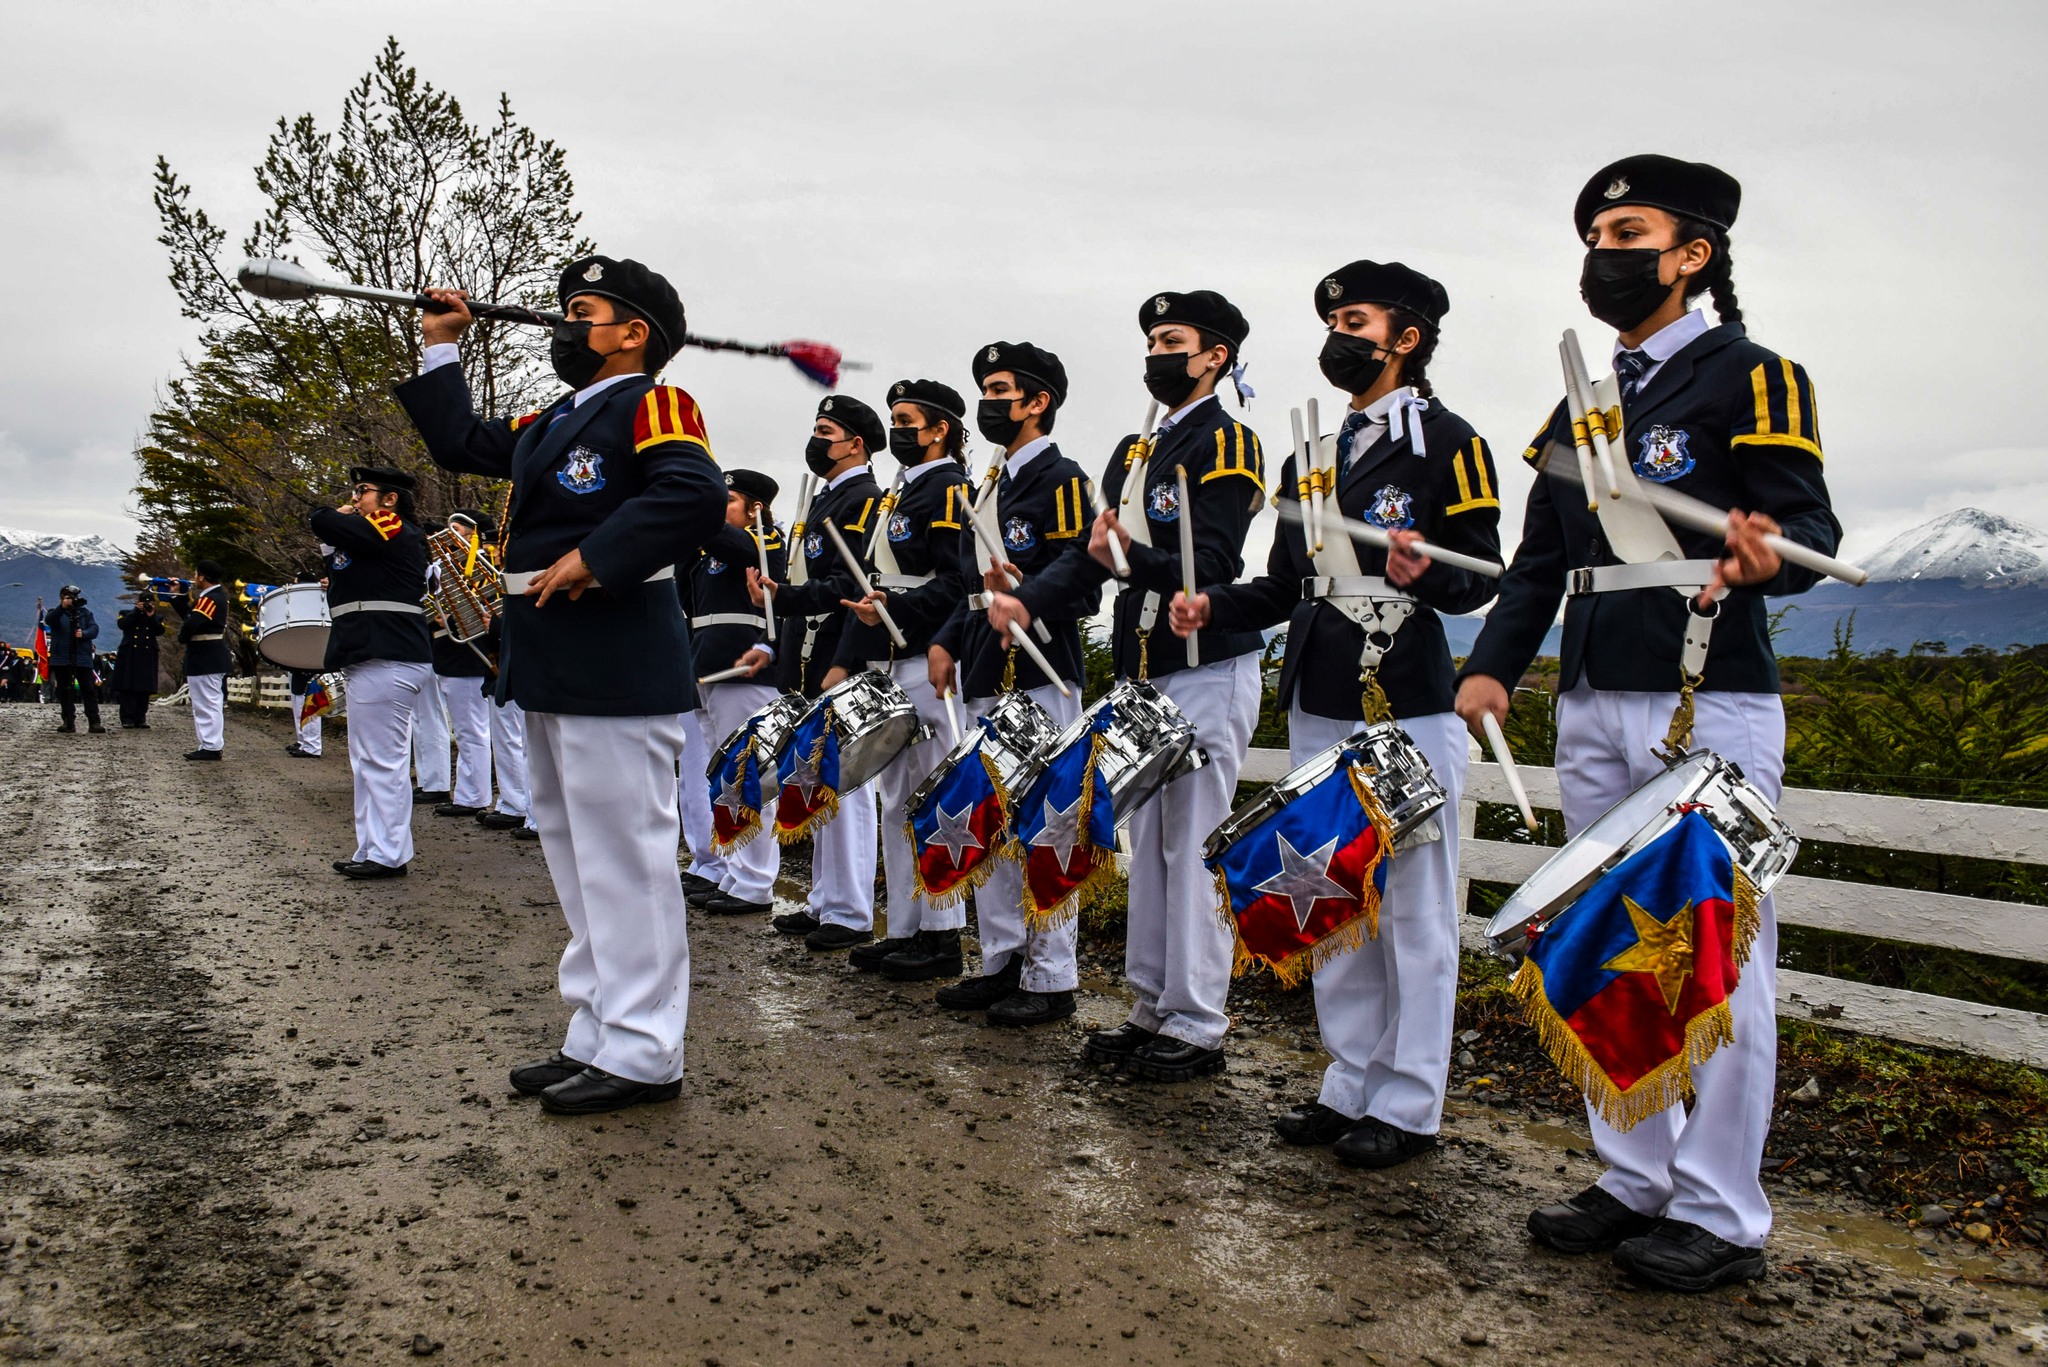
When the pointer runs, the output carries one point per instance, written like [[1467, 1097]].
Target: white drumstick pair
[[860, 577], [1017, 632], [767, 585], [1377, 536]]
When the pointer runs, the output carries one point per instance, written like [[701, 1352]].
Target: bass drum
[[292, 625]]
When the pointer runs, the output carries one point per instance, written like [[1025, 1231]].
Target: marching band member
[[1027, 976], [612, 487], [461, 674], [1409, 465], [376, 559], [730, 631], [809, 619], [432, 762], [305, 734], [135, 663], [1710, 411], [513, 811], [1177, 952], [916, 557], [203, 631]]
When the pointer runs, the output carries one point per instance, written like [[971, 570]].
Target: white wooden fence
[[2007, 929], [273, 690]]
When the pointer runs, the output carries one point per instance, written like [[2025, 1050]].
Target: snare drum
[[1396, 771], [1018, 729], [772, 726], [875, 721], [291, 626], [1763, 845], [1147, 745]]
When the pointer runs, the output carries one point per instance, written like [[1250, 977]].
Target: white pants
[[508, 748], [308, 735], [907, 912], [1696, 1164], [843, 863], [748, 873], [1177, 950], [469, 720], [209, 708], [604, 797], [693, 798], [383, 696], [1386, 1009], [1049, 962], [430, 743]]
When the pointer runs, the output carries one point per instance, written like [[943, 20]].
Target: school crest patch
[[899, 527], [1019, 534], [713, 565], [1391, 508], [814, 545], [340, 561], [1162, 502], [584, 472], [1662, 454]]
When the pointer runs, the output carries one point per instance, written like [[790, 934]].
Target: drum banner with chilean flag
[[736, 793], [808, 777], [1303, 886], [1065, 831], [318, 702], [1628, 990], [957, 831]]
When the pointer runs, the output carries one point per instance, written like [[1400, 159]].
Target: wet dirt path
[[253, 1113]]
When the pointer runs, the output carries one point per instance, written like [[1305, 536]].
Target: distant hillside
[[34, 565]]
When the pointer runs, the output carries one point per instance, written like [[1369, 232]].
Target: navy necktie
[[1629, 368], [1347, 437]]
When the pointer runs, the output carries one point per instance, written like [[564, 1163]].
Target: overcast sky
[[910, 180]]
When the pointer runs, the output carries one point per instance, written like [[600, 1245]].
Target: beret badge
[[994, 354], [897, 392], [1333, 289], [1160, 305], [825, 407], [1616, 188], [596, 272]]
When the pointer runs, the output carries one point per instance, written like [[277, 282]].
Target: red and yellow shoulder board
[[386, 523], [668, 414], [524, 421], [205, 606]]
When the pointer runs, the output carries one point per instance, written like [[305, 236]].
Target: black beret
[[1204, 309], [857, 418], [1022, 358], [930, 395], [383, 476], [478, 519], [1690, 189], [753, 484], [638, 288], [210, 569], [1388, 283]]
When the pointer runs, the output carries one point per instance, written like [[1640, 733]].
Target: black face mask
[[1353, 364], [818, 455], [992, 419], [903, 445], [570, 353], [1167, 378], [1620, 285]]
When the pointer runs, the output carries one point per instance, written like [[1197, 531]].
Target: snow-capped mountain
[[35, 565], [75, 550], [1968, 544]]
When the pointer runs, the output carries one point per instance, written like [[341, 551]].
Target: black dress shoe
[[1025, 1008], [594, 1092], [455, 809], [725, 904], [930, 954], [979, 994], [535, 1078], [94, 728], [202, 754], [66, 727], [365, 869], [1117, 1046], [291, 749], [1374, 1143], [794, 922], [424, 797], [299, 753], [1312, 1124], [1679, 1256], [697, 883], [1166, 1059], [1591, 1222], [827, 938], [499, 821], [341, 865], [525, 833], [868, 957]]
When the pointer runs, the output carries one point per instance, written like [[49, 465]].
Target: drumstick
[[799, 565], [767, 589], [1315, 465], [1131, 486], [1116, 545], [1187, 557], [1596, 421], [1017, 632], [1313, 477], [722, 675], [1374, 536], [1684, 510], [1506, 759], [953, 712], [996, 557], [1575, 409], [860, 577]]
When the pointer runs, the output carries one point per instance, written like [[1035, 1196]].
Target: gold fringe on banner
[[753, 824], [977, 875], [826, 810], [1101, 859]]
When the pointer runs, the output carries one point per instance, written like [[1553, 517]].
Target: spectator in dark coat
[[135, 663], [72, 631]]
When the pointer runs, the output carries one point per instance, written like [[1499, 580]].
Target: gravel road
[[257, 1114]]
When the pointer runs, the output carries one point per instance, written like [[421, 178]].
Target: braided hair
[[1718, 279], [1415, 365]]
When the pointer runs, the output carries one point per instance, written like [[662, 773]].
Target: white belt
[[217, 636], [519, 581], [1351, 586], [1650, 574], [729, 619], [374, 605], [902, 581]]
